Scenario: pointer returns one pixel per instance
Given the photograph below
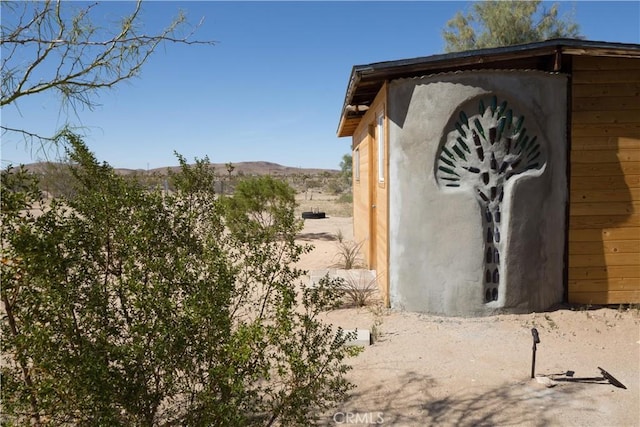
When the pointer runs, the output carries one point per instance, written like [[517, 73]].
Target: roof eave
[[388, 70]]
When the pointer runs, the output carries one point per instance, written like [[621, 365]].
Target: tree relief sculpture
[[482, 152]]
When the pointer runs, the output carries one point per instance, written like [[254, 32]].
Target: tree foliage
[[56, 46], [56, 179], [496, 23], [346, 168], [127, 306]]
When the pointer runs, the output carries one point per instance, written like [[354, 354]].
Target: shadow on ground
[[415, 402], [329, 237]]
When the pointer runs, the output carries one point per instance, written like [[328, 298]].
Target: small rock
[[546, 381]]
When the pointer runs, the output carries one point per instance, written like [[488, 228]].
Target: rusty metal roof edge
[[528, 47], [369, 70]]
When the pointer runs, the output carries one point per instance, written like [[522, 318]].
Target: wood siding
[[367, 191], [604, 210], [361, 145]]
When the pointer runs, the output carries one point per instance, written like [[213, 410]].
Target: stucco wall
[[437, 238]]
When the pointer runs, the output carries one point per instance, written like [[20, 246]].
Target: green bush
[[124, 306], [346, 198]]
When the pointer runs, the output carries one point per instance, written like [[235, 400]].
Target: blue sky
[[273, 86]]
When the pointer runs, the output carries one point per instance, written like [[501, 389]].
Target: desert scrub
[[348, 255], [126, 306], [357, 289], [345, 198]]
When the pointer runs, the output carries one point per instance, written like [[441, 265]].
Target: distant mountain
[[259, 168], [243, 168]]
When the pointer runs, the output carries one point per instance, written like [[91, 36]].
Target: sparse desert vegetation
[[432, 370], [126, 303], [450, 371], [316, 189]]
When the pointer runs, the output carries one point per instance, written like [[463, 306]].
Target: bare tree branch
[[27, 133], [50, 47], [38, 145]]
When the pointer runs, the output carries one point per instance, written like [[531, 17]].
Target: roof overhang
[[366, 80]]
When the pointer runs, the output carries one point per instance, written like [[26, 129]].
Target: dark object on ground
[[536, 340], [315, 214], [606, 376], [611, 378]]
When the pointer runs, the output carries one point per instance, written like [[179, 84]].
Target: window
[[381, 143], [356, 164]]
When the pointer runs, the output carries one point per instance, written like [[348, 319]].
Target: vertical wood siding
[[368, 188], [604, 210], [361, 190]]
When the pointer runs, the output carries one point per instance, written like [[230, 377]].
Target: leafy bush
[[345, 198], [124, 306]]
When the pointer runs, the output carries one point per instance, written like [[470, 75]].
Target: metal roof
[[551, 55]]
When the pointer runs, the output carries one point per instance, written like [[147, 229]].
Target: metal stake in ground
[[536, 340]]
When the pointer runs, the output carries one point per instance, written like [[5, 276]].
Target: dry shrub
[[348, 256]]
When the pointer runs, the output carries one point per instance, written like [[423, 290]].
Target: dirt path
[[446, 371]]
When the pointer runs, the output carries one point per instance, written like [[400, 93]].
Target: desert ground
[[427, 370]]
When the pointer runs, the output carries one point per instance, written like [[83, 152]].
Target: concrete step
[[363, 337], [359, 278]]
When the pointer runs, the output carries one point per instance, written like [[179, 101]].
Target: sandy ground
[[448, 371]]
